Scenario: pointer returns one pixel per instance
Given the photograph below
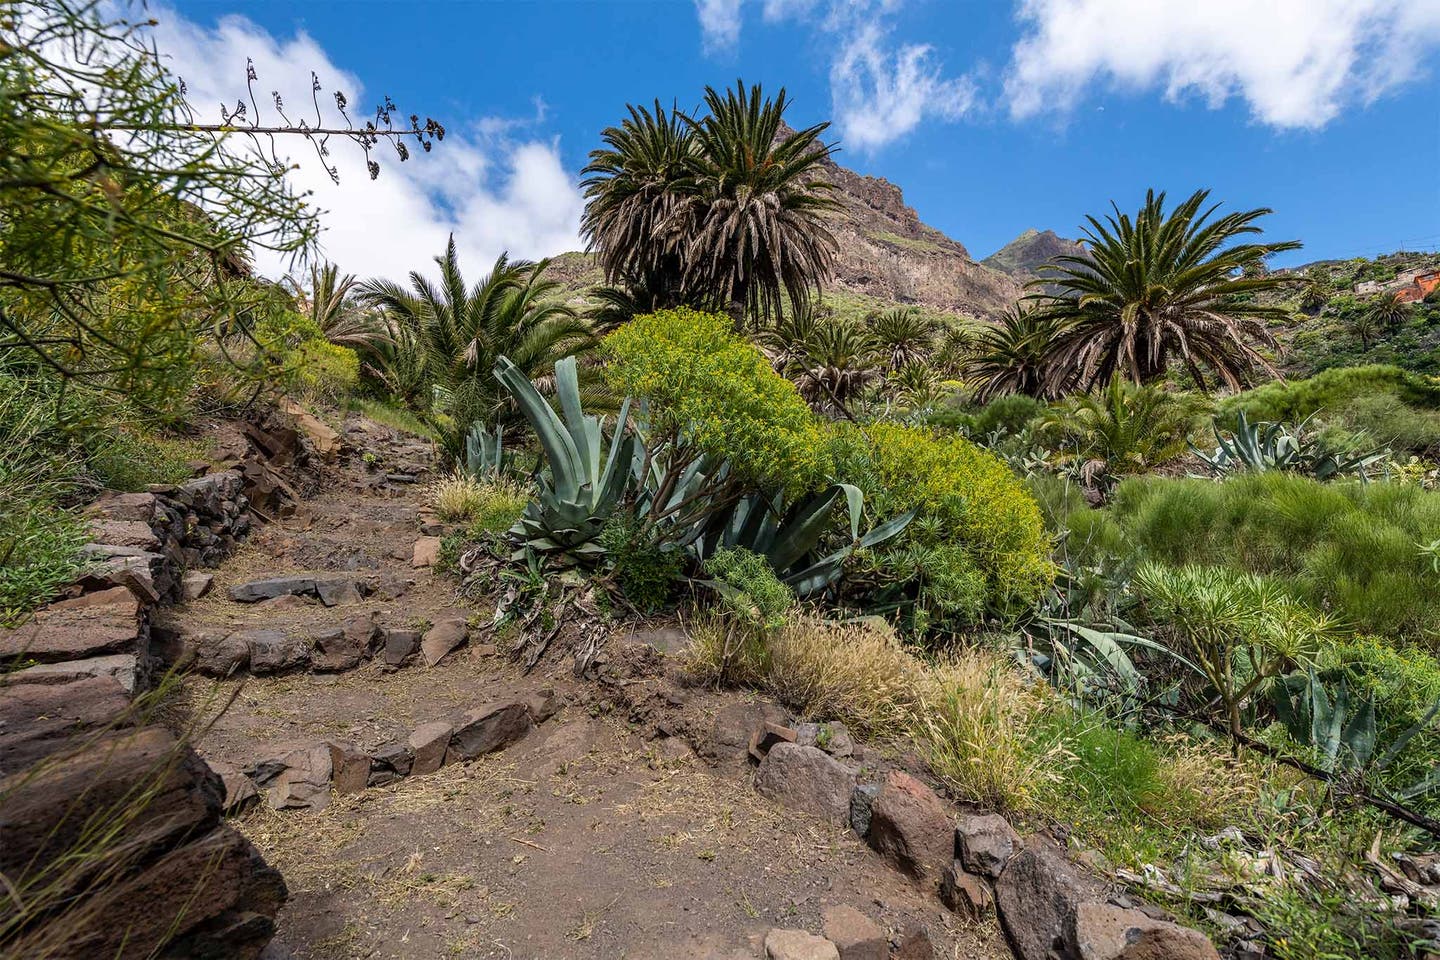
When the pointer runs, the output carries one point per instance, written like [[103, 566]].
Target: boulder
[[806, 779], [856, 936], [392, 587], [350, 768], [441, 639], [345, 647], [220, 655], [138, 573], [985, 842], [195, 584], [240, 790], [862, 802], [1107, 932], [37, 720], [272, 651], [798, 945], [965, 893], [122, 667], [125, 506], [401, 645], [1037, 896], [426, 552], [487, 729], [428, 745], [910, 826], [105, 622], [390, 763], [272, 587], [766, 736]]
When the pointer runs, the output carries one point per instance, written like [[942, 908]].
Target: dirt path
[[591, 838]]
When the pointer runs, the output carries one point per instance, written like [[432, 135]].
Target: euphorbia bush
[[978, 539]]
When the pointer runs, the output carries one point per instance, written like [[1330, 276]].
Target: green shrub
[[644, 572], [717, 393], [970, 507], [749, 589], [325, 372], [131, 460], [1348, 548], [39, 550], [1006, 415]]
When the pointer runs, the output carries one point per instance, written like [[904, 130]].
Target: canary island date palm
[[1012, 356], [722, 209], [638, 199], [463, 330], [762, 204], [904, 335], [330, 304], [1162, 288]]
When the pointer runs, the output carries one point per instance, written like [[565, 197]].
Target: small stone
[[350, 768], [915, 944], [862, 800], [910, 826], [195, 585], [333, 593], [124, 533], [391, 587], [965, 893], [985, 842], [288, 602], [798, 945], [304, 779], [271, 651], [426, 553], [221, 656], [401, 645], [543, 705], [428, 744], [855, 935], [441, 639], [734, 724], [768, 736], [240, 791], [1037, 896], [272, 587], [806, 779], [390, 763], [488, 729], [1106, 932]]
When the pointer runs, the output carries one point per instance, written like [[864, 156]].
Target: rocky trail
[[423, 798]]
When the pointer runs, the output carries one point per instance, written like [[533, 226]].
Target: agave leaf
[[559, 446], [802, 528], [886, 530]]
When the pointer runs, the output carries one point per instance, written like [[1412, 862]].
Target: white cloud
[[880, 89], [1296, 63], [881, 92], [719, 23], [492, 182]]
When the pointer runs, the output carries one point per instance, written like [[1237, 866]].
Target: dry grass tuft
[[971, 721], [854, 673]]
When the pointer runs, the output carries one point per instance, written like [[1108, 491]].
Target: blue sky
[[992, 116]]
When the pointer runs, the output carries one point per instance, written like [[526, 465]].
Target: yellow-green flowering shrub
[[715, 390], [965, 498]]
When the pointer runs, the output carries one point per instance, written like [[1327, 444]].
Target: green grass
[[396, 418], [39, 553], [905, 243]]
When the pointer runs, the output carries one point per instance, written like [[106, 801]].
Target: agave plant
[[585, 482], [1265, 446], [485, 452], [789, 537]]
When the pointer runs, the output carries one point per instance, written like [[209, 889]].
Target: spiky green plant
[[1124, 429], [1012, 356], [1261, 447], [1163, 287], [903, 336]]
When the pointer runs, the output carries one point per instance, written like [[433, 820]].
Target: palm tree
[[511, 312], [724, 210], [1124, 429], [1316, 292], [762, 200], [1164, 287], [638, 192], [834, 366], [1366, 324], [1389, 311], [328, 304], [904, 335], [783, 339], [1013, 356]]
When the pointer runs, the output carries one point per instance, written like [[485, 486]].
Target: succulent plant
[[1265, 446]]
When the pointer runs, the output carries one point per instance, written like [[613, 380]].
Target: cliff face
[[888, 253], [1023, 257]]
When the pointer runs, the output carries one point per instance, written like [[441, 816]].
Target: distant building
[[1421, 286]]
